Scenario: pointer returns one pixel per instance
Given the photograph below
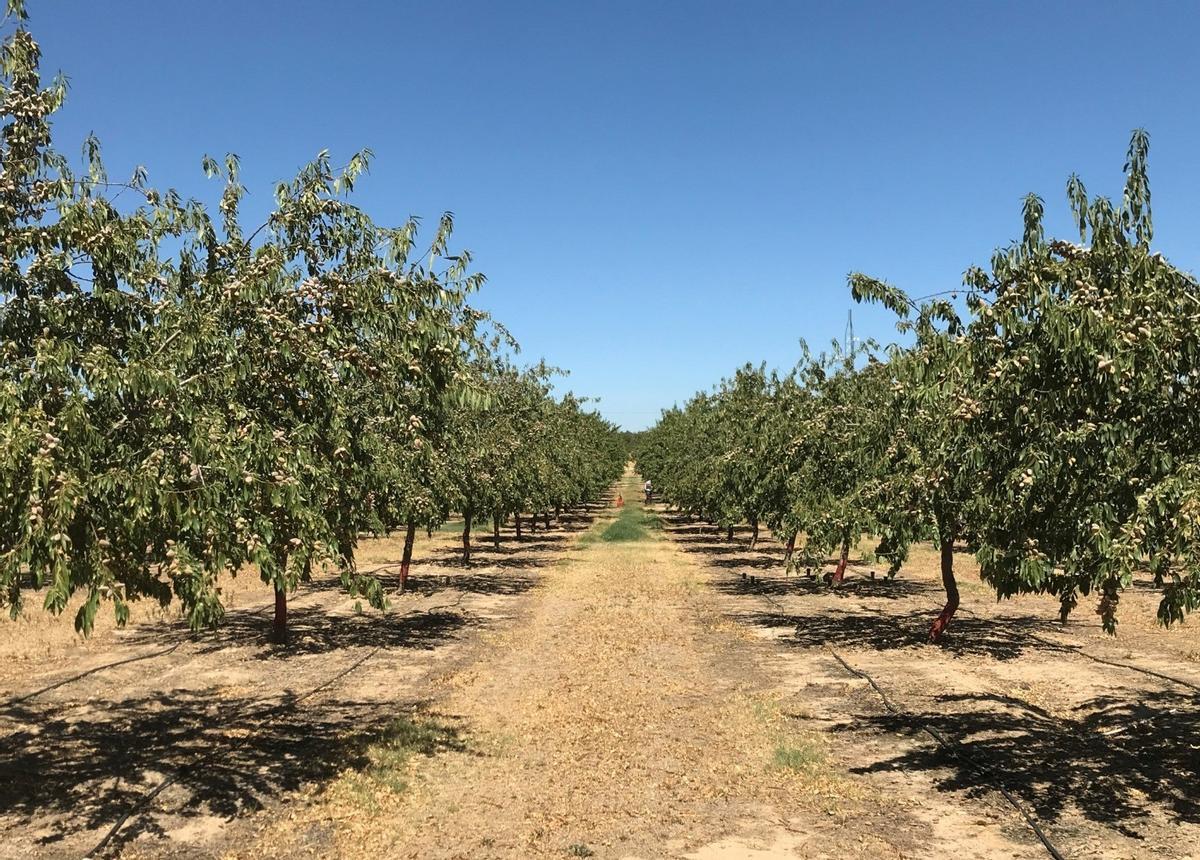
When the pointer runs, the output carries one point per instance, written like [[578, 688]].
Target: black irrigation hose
[[139, 806], [25, 698], [18, 700], [1078, 649], [1151, 672], [956, 749], [144, 801]]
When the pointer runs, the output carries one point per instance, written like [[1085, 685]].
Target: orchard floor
[[672, 695]]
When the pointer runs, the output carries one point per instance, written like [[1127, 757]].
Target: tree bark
[[406, 559], [951, 586], [753, 534], [547, 517], [729, 533], [517, 518], [279, 625], [840, 572], [558, 513], [467, 517], [789, 549], [496, 530]]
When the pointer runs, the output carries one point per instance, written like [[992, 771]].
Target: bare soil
[[568, 696], [192, 736], [1096, 737]]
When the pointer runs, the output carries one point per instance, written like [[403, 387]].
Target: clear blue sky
[[659, 192]]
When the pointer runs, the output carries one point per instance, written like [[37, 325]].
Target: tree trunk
[[547, 516], [467, 517], [951, 585], [496, 530], [753, 534], [279, 626], [558, 513], [406, 559], [517, 518], [840, 572], [789, 549], [729, 533]]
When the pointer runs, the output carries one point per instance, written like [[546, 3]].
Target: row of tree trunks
[[946, 552], [279, 624]]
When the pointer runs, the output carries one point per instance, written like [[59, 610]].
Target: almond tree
[[834, 457], [1085, 361], [245, 400], [925, 489]]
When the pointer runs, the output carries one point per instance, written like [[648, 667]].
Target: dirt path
[[623, 717], [196, 736], [622, 687]]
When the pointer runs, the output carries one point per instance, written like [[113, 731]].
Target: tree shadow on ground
[[802, 586], [998, 638], [752, 562], [470, 581], [312, 630], [1113, 760], [73, 775], [531, 552]]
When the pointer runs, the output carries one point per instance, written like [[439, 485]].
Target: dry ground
[[671, 696], [226, 723], [1105, 757]]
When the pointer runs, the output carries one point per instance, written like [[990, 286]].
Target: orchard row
[[182, 397], [1046, 414]]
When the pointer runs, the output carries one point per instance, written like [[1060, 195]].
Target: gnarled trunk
[[467, 517], [410, 535], [951, 586]]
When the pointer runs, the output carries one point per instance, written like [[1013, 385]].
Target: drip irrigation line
[[955, 749], [19, 700], [25, 698], [1078, 649], [1075, 649], [140, 805]]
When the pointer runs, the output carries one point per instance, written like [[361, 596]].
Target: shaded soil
[[625, 716], [195, 736], [1097, 737], [668, 695]]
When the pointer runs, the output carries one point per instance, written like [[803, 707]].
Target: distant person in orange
[[620, 501]]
